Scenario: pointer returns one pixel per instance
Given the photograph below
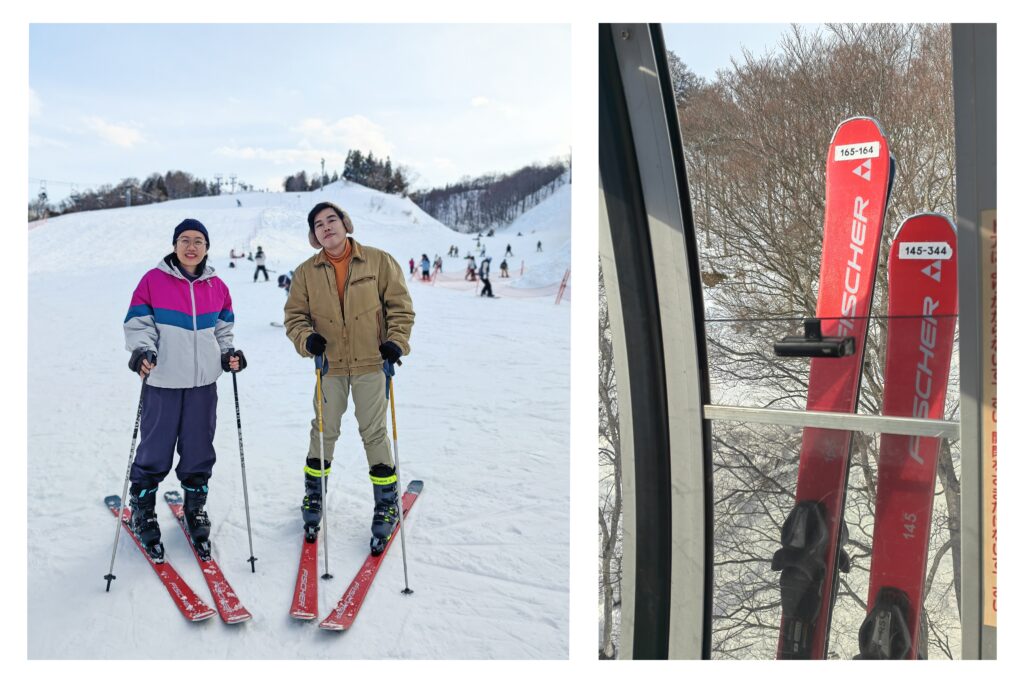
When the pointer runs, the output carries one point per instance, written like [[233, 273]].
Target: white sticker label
[[934, 251], [859, 150]]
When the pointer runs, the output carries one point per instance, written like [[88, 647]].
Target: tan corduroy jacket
[[377, 308]]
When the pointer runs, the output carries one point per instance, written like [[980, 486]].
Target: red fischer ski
[[919, 345], [858, 180], [304, 601], [184, 597], [228, 605], [348, 607]]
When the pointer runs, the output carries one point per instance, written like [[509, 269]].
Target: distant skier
[[504, 268], [485, 274], [261, 265], [353, 351], [538, 246], [425, 267], [239, 201], [508, 250], [412, 266], [470, 268], [285, 281], [438, 263], [180, 364]]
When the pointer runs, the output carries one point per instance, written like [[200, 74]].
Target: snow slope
[[482, 411]]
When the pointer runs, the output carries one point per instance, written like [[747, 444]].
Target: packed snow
[[482, 414]]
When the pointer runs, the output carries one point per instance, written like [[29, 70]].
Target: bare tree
[[610, 494]]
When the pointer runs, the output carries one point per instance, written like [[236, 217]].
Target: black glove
[[138, 355], [316, 344], [225, 360], [390, 352]]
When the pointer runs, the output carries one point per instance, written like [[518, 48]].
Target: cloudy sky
[[263, 101]]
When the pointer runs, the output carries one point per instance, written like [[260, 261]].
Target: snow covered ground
[[483, 419]]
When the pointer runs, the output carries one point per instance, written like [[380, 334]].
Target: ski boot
[[385, 506], [312, 504], [142, 501], [196, 519], [802, 563]]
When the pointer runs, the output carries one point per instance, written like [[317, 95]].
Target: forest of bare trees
[[157, 187], [755, 142], [491, 200]]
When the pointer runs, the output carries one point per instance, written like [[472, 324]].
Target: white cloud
[[299, 157], [481, 102], [42, 141], [351, 132], [35, 105], [120, 135]]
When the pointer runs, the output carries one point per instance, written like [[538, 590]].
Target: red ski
[[184, 597], [858, 179], [919, 345], [224, 597], [348, 607], [304, 602]]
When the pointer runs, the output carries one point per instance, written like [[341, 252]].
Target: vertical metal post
[[974, 102]]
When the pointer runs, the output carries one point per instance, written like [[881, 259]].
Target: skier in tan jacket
[[349, 307]]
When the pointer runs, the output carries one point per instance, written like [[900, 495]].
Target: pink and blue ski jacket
[[187, 324]]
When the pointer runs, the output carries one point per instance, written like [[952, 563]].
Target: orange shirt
[[341, 265]]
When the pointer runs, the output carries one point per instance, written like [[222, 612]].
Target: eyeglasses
[[197, 243]]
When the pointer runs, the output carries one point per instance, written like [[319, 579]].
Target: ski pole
[[398, 479], [241, 456], [323, 490], [124, 492]]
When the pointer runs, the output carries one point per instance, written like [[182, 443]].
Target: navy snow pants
[[186, 418]]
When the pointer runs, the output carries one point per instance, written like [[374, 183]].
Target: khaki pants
[[371, 415]]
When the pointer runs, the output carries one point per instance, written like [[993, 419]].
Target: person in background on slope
[[504, 268], [438, 263], [412, 266], [470, 268], [350, 306], [538, 246], [508, 250], [285, 281], [179, 332], [485, 277], [261, 265], [425, 267]]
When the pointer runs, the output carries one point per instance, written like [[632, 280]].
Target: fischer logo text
[[854, 266], [923, 378]]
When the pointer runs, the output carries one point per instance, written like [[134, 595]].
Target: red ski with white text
[[185, 599], [304, 600], [858, 181], [351, 602], [919, 347], [224, 597]]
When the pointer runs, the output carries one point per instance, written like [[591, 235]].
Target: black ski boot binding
[[385, 506], [144, 524], [885, 633], [802, 563], [312, 504], [196, 519]]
